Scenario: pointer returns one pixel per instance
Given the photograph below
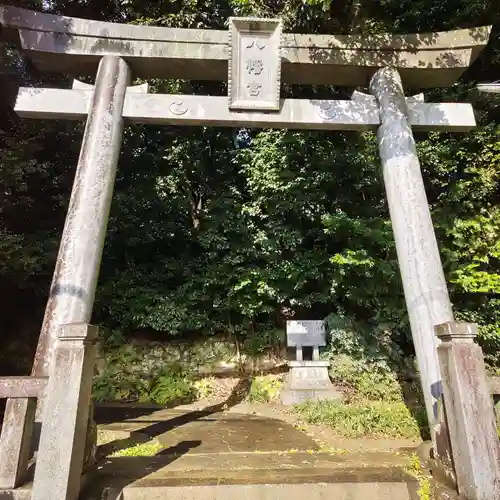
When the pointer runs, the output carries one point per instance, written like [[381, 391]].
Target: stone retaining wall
[[213, 357]]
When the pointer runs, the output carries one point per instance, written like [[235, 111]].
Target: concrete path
[[205, 432]]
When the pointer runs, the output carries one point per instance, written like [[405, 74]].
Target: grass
[[362, 419], [265, 389], [414, 469], [148, 449]]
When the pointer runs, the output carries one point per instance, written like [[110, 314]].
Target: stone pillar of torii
[[256, 57]]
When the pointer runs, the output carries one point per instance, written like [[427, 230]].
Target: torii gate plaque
[[259, 57], [254, 64]]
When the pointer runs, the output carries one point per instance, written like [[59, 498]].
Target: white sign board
[[254, 64], [305, 333]]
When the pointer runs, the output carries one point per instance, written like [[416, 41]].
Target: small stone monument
[[307, 379]]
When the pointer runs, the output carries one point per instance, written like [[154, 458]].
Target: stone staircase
[[259, 476], [253, 476], [209, 453]]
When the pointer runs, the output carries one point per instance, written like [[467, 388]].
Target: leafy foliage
[[375, 418], [370, 367], [366, 381], [166, 389], [265, 389], [172, 388], [129, 375]]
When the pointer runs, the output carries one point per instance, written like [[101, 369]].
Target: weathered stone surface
[[315, 491], [22, 387], [66, 415], [259, 475], [205, 447], [241, 446], [308, 372], [15, 439], [205, 431], [290, 397], [254, 70], [424, 284], [469, 412], [90, 453], [75, 46], [21, 493], [308, 380], [135, 89], [204, 110], [212, 357], [72, 292]]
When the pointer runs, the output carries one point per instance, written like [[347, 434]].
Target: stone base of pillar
[[308, 380], [65, 432], [469, 412]]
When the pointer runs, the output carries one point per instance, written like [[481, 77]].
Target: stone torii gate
[[255, 57]]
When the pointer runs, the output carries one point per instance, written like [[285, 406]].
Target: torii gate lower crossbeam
[[312, 114]]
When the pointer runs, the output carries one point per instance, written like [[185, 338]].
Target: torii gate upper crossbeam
[[75, 46]]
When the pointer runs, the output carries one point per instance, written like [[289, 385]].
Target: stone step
[[273, 475], [316, 491]]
